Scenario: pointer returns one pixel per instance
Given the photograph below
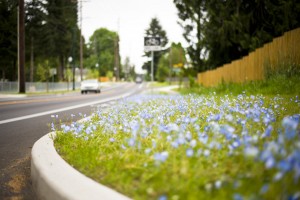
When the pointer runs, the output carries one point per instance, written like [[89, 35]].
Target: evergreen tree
[[8, 39], [34, 23], [61, 33]]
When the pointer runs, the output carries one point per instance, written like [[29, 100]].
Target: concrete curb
[[55, 179]]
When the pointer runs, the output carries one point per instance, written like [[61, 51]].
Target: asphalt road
[[24, 120]]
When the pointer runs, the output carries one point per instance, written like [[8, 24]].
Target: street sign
[[152, 44], [178, 65], [53, 71]]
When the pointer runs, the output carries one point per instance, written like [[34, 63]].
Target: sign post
[[152, 44]]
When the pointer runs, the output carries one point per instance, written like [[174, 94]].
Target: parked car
[[90, 85]]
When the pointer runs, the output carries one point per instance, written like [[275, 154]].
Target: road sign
[[152, 44], [178, 65], [53, 71]]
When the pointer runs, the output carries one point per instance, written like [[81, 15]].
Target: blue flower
[[206, 153], [290, 127], [218, 184], [163, 197], [193, 143], [65, 128], [147, 151], [227, 131], [237, 197], [264, 189], [175, 144], [278, 176], [270, 162], [134, 125], [251, 151], [186, 120], [173, 127], [189, 152], [188, 136], [131, 142], [52, 126], [203, 138], [268, 131], [284, 165], [161, 157], [88, 130], [229, 118], [236, 143]]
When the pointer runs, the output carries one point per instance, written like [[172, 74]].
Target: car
[[138, 80], [90, 85]]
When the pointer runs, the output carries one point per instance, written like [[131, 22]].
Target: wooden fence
[[284, 49]]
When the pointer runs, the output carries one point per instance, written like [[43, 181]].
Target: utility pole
[[21, 47], [116, 41], [170, 63], [81, 48], [152, 63]]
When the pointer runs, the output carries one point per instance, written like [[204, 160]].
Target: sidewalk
[[165, 89], [51, 92]]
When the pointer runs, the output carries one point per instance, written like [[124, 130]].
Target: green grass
[[134, 170], [153, 146], [280, 84], [285, 80]]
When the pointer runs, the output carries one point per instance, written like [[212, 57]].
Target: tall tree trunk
[[21, 47], [31, 61], [61, 68]]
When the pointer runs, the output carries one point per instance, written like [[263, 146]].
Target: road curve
[[24, 120]]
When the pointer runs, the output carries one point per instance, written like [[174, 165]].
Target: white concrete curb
[[54, 179]]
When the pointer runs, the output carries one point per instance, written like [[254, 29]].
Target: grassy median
[[233, 141], [190, 147]]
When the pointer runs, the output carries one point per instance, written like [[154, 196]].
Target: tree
[[228, 30], [61, 33], [8, 39], [51, 32], [163, 69], [238, 27], [128, 70], [104, 51], [191, 14], [35, 17], [155, 30], [173, 60]]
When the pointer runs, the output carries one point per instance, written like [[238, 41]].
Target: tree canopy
[[8, 39], [51, 33], [221, 31], [103, 51]]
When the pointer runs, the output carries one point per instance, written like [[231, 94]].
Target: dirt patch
[[15, 181]]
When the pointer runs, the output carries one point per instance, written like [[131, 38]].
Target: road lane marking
[[106, 91], [44, 100], [65, 109]]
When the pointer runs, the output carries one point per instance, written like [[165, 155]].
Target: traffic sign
[[152, 44]]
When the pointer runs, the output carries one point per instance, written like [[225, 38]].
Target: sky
[[130, 18]]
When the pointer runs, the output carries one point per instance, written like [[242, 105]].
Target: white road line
[[63, 109]]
